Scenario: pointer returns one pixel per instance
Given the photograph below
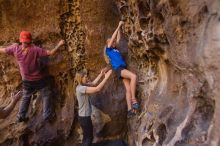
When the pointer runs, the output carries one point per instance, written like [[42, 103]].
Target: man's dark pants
[[30, 87]]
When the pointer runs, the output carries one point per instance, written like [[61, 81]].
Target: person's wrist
[[107, 77], [57, 47]]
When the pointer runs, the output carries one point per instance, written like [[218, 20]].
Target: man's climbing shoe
[[136, 106], [51, 118], [131, 113], [22, 119]]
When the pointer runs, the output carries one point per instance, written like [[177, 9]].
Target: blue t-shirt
[[115, 58]]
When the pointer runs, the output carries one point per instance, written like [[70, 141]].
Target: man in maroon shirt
[[34, 79]]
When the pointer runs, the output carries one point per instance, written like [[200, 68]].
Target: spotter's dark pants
[[87, 127]]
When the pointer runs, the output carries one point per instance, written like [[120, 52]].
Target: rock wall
[[50, 21], [173, 47]]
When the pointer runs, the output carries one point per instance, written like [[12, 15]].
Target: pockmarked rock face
[[173, 49], [172, 46]]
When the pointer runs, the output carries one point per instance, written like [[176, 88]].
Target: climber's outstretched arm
[[115, 34], [2, 50], [53, 51], [8, 49], [118, 36], [5, 111]]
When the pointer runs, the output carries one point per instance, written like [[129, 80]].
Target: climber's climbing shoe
[[51, 118], [131, 113], [22, 119], [136, 106]]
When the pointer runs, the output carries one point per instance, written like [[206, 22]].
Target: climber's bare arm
[[53, 51], [118, 36], [115, 34], [2, 50]]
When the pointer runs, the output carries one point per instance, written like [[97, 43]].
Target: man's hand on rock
[[121, 23], [61, 42]]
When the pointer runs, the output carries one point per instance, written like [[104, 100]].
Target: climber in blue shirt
[[115, 59]]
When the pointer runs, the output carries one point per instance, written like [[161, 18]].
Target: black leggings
[[87, 127]]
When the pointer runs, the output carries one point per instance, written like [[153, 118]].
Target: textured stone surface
[[173, 46], [68, 20]]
